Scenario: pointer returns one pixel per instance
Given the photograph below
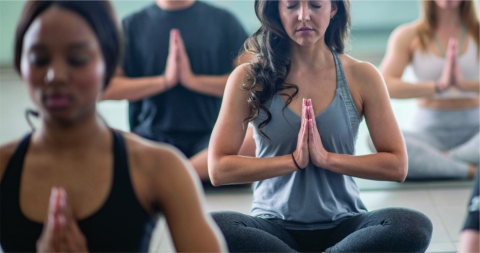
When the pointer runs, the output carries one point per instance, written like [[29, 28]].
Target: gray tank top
[[313, 198]]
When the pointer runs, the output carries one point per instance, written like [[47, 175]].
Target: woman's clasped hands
[[309, 144], [451, 74], [60, 231]]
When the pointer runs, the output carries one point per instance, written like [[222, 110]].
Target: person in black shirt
[[178, 57]]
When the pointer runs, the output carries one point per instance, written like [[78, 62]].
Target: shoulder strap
[[10, 185], [347, 98]]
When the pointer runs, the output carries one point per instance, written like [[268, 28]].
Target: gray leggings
[[383, 230], [435, 132]]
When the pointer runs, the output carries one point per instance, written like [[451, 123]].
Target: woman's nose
[[303, 14], [56, 73]]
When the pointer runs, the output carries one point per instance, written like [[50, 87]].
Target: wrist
[[295, 162], [323, 160], [190, 81], [165, 85]]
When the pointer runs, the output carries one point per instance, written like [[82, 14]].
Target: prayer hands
[[171, 70], [60, 230], [309, 144], [451, 74], [178, 68]]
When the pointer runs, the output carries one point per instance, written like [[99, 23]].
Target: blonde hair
[[428, 21]]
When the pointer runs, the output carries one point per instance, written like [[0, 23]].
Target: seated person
[[442, 49], [175, 72], [306, 99], [74, 184]]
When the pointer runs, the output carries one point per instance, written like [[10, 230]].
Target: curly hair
[[270, 45]]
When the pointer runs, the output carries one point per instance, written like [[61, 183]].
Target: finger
[[310, 132], [47, 239], [312, 113], [303, 112], [314, 119], [305, 133], [172, 38], [61, 232], [74, 238], [50, 238], [52, 201]]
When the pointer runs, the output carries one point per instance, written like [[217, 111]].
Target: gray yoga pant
[[383, 230], [436, 132]]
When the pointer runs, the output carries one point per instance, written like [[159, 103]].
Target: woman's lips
[[304, 30], [57, 101]]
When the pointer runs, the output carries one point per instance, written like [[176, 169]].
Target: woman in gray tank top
[[305, 99]]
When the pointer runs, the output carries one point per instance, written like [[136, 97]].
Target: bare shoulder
[[162, 169], [147, 155], [360, 72], [239, 75], [153, 160], [405, 35], [6, 153]]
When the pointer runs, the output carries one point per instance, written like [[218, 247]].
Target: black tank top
[[121, 225]]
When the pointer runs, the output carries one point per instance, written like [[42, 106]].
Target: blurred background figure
[[178, 57], [442, 48], [74, 184]]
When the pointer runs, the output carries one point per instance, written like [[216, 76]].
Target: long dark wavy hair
[[270, 45]]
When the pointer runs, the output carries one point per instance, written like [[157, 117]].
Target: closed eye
[[292, 6]]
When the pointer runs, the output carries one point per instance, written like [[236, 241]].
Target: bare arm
[[396, 59], [178, 192], [215, 85], [470, 85], [210, 85], [469, 241], [390, 161], [225, 166], [132, 89]]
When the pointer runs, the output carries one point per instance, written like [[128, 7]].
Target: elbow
[[214, 178], [401, 174], [214, 173], [401, 170]]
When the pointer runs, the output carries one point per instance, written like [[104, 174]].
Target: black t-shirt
[[213, 38], [473, 207]]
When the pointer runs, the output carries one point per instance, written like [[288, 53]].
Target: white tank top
[[428, 67]]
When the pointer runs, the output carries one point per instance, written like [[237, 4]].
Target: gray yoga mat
[[372, 185]]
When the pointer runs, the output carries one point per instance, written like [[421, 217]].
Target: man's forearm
[[209, 85], [134, 88]]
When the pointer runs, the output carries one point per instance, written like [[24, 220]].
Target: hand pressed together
[[309, 143], [60, 231], [178, 68], [451, 74]]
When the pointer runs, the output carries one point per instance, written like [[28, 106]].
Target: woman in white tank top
[[442, 49]]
